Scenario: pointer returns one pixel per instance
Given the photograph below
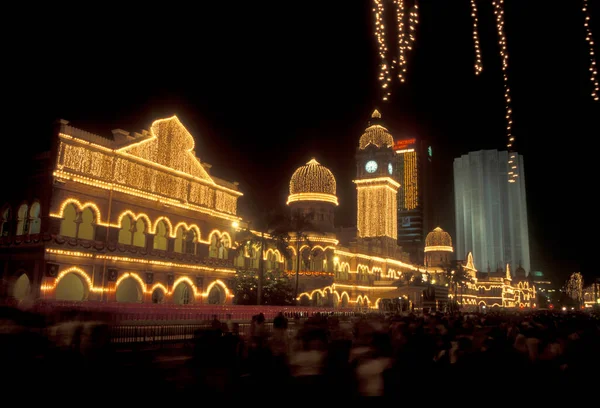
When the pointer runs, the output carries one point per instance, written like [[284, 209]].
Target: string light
[[377, 207], [312, 182], [401, 43], [161, 167], [589, 38], [409, 194], [413, 20], [512, 157], [478, 65], [384, 69]]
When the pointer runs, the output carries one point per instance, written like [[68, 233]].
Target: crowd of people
[[370, 355], [376, 355]]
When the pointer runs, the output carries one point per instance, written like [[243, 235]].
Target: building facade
[[415, 212], [137, 217], [491, 213]]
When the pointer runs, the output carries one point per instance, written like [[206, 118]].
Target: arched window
[[216, 296], [179, 240], [240, 259], [22, 220], [125, 234], [213, 250], [68, 226], [34, 219], [225, 244], [223, 251], [190, 242], [160, 236], [139, 236], [255, 256], [5, 223], [183, 294], [86, 227], [158, 296]]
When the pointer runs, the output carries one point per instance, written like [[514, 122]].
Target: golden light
[[590, 40], [512, 161], [313, 182], [384, 68], [478, 65], [161, 167]]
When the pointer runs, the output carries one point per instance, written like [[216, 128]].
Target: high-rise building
[[491, 213], [414, 160]]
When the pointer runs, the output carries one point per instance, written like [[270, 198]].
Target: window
[[139, 236], [213, 250], [22, 220], [190, 242], [68, 226], [5, 223], [35, 221], [125, 234], [224, 247], [86, 227], [179, 240], [160, 237]]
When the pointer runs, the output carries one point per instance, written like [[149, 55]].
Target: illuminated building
[[137, 217], [133, 218], [591, 295], [377, 187], [491, 214], [438, 248], [413, 169]]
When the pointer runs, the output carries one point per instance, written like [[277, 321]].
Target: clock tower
[[376, 185]]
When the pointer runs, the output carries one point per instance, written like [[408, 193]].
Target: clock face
[[371, 166], [390, 168]]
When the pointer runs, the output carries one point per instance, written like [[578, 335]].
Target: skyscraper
[[414, 158], [491, 213]]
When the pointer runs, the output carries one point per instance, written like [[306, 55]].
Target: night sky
[[266, 86]]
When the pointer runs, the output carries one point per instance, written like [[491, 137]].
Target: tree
[[410, 278], [296, 228], [574, 288], [458, 277], [248, 239], [277, 288]]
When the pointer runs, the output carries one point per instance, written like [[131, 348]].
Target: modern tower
[[413, 169], [491, 213], [377, 188]]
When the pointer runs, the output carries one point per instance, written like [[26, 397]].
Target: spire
[[375, 118]]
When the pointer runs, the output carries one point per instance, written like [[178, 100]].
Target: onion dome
[[438, 240], [376, 134], [312, 182]]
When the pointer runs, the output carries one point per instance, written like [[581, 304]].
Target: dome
[[438, 240], [312, 182], [376, 134]]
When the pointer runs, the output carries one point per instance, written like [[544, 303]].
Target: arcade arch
[[21, 287], [72, 286]]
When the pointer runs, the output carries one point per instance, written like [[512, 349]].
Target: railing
[[153, 334], [148, 312]]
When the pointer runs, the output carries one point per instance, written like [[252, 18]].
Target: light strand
[[401, 42], [413, 20], [384, 69], [478, 64], [590, 41], [512, 157]]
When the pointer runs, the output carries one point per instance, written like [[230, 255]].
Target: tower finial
[[376, 114]]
